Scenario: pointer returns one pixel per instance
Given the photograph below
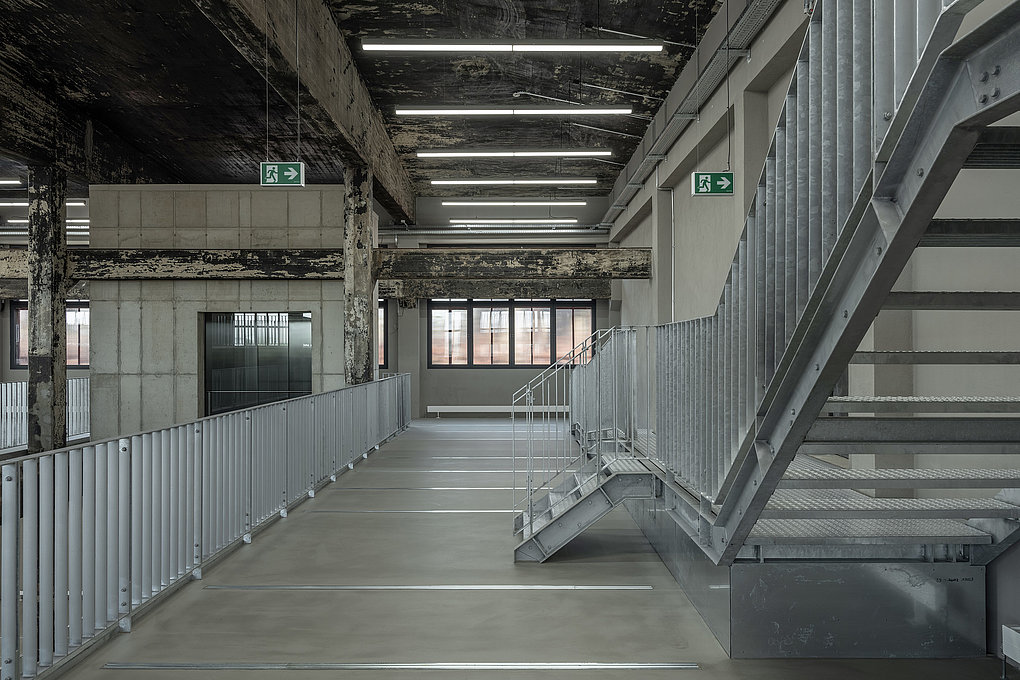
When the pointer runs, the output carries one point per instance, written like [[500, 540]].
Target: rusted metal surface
[[410, 290], [47, 293], [113, 264], [336, 107], [359, 284], [510, 263]]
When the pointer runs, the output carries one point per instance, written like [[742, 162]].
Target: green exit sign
[[283, 174], [711, 184]]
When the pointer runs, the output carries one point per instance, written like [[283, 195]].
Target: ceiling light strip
[[559, 181], [514, 204], [497, 220], [572, 111], [529, 46], [578, 153]]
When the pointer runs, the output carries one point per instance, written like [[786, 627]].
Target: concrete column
[[409, 350], [359, 283], [47, 322], [662, 244]]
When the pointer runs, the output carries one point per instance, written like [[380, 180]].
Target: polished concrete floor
[[386, 526]]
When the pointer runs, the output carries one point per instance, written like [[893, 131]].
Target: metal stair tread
[[918, 403], [806, 472], [932, 356], [626, 465], [842, 501], [863, 531]]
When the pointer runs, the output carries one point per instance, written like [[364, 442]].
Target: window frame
[[511, 305], [383, 362], [18, 305]]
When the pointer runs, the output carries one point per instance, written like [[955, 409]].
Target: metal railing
[[735, 392], [577, 415], [14, 412], [91, 534]]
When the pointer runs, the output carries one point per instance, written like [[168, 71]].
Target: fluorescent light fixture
[[78, 221], [515, 204], [458, 220], [572, 111], [560, 181], [529, 46], [10, 180], [76, 204], [566, 153]]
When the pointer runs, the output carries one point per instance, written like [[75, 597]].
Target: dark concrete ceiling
[[162, 77], [167, 83], [432, 79]]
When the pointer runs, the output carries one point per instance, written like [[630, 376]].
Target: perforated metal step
[[953, 300], [863, 532], [625, 465], [937, 357], [922, 404], [918, 434], [839, 504], [806, 476]]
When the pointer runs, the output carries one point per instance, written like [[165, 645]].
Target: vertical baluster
[[112, 512], [147, 517], [9, 504], [803, 190], [165, 460], [780, 237], [88, 541], [829, 123], [46, 562], [124, 527], [814, 132], [102, 488], [904, 46], [29, 567], [790, 179], [760, 286], [884, 91], [740, 400], [60, 554], [862, 102], [176, 497], [138, 502], [770, 267], [844, 110]]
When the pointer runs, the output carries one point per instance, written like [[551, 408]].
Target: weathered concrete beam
[[47, 293], [359, 285], [17, 289], [513, 263], [335, 103], [39, 130], [319, 263], [413, 289]]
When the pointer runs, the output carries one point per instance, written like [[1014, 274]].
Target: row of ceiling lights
[[503, 47]]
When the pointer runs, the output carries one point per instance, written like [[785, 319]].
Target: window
[[77, 334], [254, 358], [506, 332], [382, 338]]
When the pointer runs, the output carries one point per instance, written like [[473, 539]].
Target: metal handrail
[[91, 535], [14, 412]]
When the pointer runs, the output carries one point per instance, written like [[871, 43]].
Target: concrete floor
[[333, 540]]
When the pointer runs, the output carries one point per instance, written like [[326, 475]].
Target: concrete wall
[[147, 362]]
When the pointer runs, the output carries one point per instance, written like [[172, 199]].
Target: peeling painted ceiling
[[168, 83], [443, 79]]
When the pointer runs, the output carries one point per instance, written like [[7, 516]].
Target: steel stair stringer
[[882, 231], [548, 534]]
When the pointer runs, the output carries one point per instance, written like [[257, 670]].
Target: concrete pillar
[[47, 322], [662, 244], [410, 351], [359, 283]]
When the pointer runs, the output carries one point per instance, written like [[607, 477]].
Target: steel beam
[[335, 103]]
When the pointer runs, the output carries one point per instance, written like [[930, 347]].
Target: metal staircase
[[746, 415]]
